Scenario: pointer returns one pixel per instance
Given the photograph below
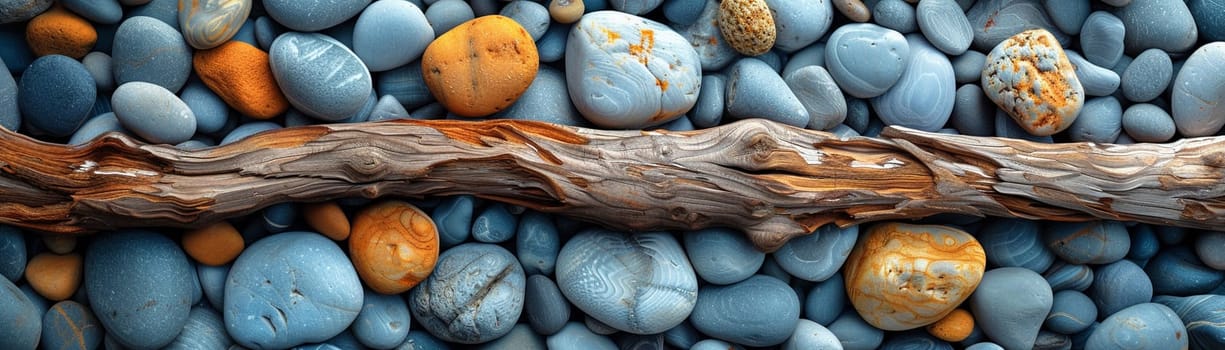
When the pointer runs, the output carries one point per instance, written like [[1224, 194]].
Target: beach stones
[[639, 283], [1101, 39], [811, 335], [474, 295], [204, 330], [394, 246], [996, 20], [1147, 76], [954, 327], [944, 25], [1010, 306], [1098, 242], [70, 325], [54, 276], [208, 23], [139, 286], [759, 311], [866, 59], [924, 95], [628, 72], [313, 15], [12, 11], [1198, 91], [1143, 326], [1014, 242], [10, 112], [149, 50], [747, 25], [289, 289], [23, 319], [1030, 78], [153, 112], [903, 276], [56, 94], [725, 256], [1071, 312], [319, 75], [1162, 24], [389, 34], [60, 32], [819, 94], [546, 309], [481, 66], [1119, 285], [12, 253]]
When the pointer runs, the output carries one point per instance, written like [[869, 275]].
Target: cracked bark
[[769, 180]]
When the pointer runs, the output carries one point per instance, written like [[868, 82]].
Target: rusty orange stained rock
[[394, 246]]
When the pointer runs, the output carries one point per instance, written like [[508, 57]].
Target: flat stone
[[1029, 77], [319, 75]]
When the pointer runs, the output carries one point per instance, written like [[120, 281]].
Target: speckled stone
[[1015, 242], [12, 11], [640, 283], [903, 276], [13, 253], [1174, 32], [70, 325], [473, 289], [55, 94], [897, 15], [1098, 242], [1199, 89], [313, 15], [866, 59], [1100, 120], [724, 256], [1029, 77], [149, 50], [1010, 306], [139, 286], [628, 72], [759, 311], [1119, 285], [319, 75], [1203, 316], [1101, 38], [23, 319], [1147, 76], [153, 113], [1208, 18], [997, 20], [1143, 326], [944, 25], [923, 97]]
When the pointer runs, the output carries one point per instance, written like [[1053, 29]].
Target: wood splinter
[[772, 181]]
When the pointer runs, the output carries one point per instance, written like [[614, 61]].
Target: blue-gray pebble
[[1101, 38], [1064, 276], [1068, 15], [1203, 317], [1071, 312], [56, 94], [722, 255], [23, 321], [247, 129], [1209, 18], [973, 113], [537, 243], [153, 113], [1015, 242], [683, 12], [10, 112], [319, 75], [640, 283], [817, 256], [1143, 326], [96, 126], [755, 90], [406, 84], [139, 287], [71, 325], [552, 45], [1206, 248], [968, 67], [212, 283], [825, 300], [97, 11], [545, 100], [1119, 285], [1199, 89], [1176, 270], [866, 59], [289, 289], [819, 94], [944, 25], [389, 34], [896, 14], [923, 97], [996, 20], [811, 335], [1163, 24], [313, 15], [759, 311], [1010, 306], [576, 336], [149, 50], [531, 15], [1098, 242], [1100, 120], [1096, 80], [855, 333], [204, 330], [12, 11], [708, 110], [914, 340], [705, 37], [494, 224], [12, 253], [798, 24], [453, 218], [1147, 76], [446, 14], [474, 295], [546, 308], [519, 337], [210, 111], [383, 322]]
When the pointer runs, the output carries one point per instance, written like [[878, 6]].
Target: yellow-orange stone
[[903, 276], [239, 73], [55, 277], [214, 245], [954, 327], [328, 219], [481, 66], [394, 246], [59, 31]]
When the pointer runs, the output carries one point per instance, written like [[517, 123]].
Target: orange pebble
[[954, 327], [481, 66], [60, 244], [239, 73], [59, 31], [328, 219], [394, 246], [55, 277], [214, 245]]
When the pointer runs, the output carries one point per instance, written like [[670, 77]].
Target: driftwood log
[[772, 181]]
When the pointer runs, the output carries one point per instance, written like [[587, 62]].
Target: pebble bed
[[462, 272]]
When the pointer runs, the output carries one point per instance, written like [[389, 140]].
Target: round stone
[[319, 75], [639, 283], [472, 296], [819, 94], [576, 336], [139, 285], [12, 253], [23, 326], [389, 34], [1030, 78], [897, 15], [825, 300], [394, 246], [383, 322], [811, 335], [214, 245], [70, 325], [1010, 306], [60, 32], [481, 66], [1098, 242], [56, 94], [289, 289], [817, 256], [494, 224], [1199, 89], [1071, 312], [446, 14], [1146, 325], [1147, 76], [208, 23], [1100, 121], [97, 11], [1162, 24], [1015, 242], [1119, 285], [759, 311], [54, 276], [149, 50], [996, 20], [968, 67], [924, 95], [944, 25], [903, 276], [797, 24], [547, 100], [153, 113], [723, 256], [628, 72], [241, 76], [313, 15], [328, 219], [954, 327], [1069, 16], [747, 25], [866, 59], [533, 16]]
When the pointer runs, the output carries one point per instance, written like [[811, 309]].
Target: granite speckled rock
[[1029, 77], [1199, 89], [139, 286], [208, 23], [473, 295], [759, 311], [747, 25], [319, 75], [313, 15], [1010, 306], [903, 276], [149, 50], [639, 283], [1143, 326], [866, 59], [923, 97], [625, 71], [12, 11]]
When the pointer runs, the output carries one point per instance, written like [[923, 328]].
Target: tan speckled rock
[[1030, 77], [902, 276], [747, 25]]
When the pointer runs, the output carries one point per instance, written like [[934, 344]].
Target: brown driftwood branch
[[770, 180]]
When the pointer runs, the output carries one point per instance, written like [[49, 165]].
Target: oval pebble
[[825, 300], [533, 16], [576, 336], [1095, 80], [798, 24], [1014, 242], [97, 11], [13, 253], [383, 322], [679, 12], [1101, 39], [313, 15], [473, 288], [1174, 32], [1207, 249], [1147, 76], [208, 23], [305, 63], [447, 14], [519, 337], [537, 243], [1100, 121], [289, 289], [453, 218], [1010, 306], [997, 20], [944, 25], [973, 113], [1071, 312], [625, 71], [1203, 317], [70, 325], [954, 327], [1143, 326], [1208, 20], [1178, 271], [897, 15], [23, 319], [639, 283], [210, 111], [212, 283], [817, 256], [389, 34], [819, 94], [1029, 77], [481, 66], [1198, 90], [241, 76], [393, 246], [59, 31], [759, 311], [866, 59], [755, 90], [1119, 285], [139, 287], [204, 330], [546, 308], [1097, 242], [545, 100], [1064, 276], [968, 67], [495, 224], [635, 7], [56, 94], [855, 333], [923, 97], [54, 276], [153, 113], [1068, 15], [149, 50], [722, 255]]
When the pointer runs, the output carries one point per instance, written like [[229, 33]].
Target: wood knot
[[367, 164]]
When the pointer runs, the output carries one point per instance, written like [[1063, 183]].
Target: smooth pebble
[[1095, 80], [1147, 76], [923, 97], [1143, 326], [208, 23], [389, 34], [383, 322], [1100, 121], [825, 300], [204, 330], [722, 255], [997, 20], [576, 336], [866, 59], [798, 23], [811, 335], [55, 94], [545, 308], [855, 333], [819, 94], [1207, 249], [393, 246], [897, 15], [1101, 38], [1199, 89], [945, 26], [1203, 316], [139, 286], [819, 255], [447, 14], [1010, 306], [481, 66], [1068, 15], [759, 311], [330, 83], [23, 319], [973, 114], [153, 113], [1064, 276], [1071, 312], [533, 16], [755, 90], [704, 37], [313, 15], [1097, 242], [1015, 243], [1178, 271], [537, 243], [13, 253], [149, 50], [1119, 285], [1162, 24]]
